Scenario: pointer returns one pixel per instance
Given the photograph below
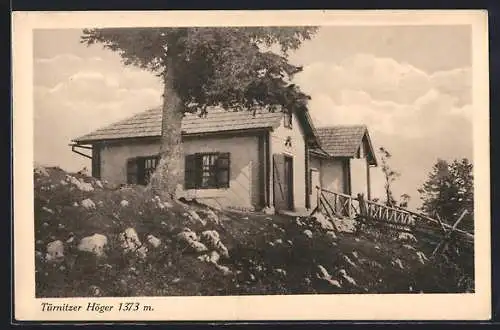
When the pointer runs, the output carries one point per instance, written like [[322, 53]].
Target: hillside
[[95, 239]]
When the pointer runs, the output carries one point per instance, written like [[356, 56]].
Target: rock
[[422, 257], [298, 222], [94, 244], [55, 251], [195, 217], [212, 257], [84, 171], [398, 262], [154, 241], [211, 239], [40, 170], [124, 203], [407, 237], [349, 261], [88, 204], [331, 235], [187, 235], [355, 254], [324, 275], [269, 210], [280, 271], [63, 183], [46, 209], [198, 246], [346, 277], [224, 269], [142, 252], [129, 240], [323, 221], [98, 183], [308, 233], [75, 204], [278, 241], [409, 247], [81, 185], [95, 291], [159, 204], [289, 242]]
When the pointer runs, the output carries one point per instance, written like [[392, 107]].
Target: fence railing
[[343, 205]]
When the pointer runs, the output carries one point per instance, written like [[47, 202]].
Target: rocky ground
[[95, 239]]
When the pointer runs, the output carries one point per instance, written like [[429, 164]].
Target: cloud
[[383, 79], [74, 100]]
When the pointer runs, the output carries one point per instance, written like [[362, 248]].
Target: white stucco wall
[[359, 176], [332, 175], [297, 151], [244, 175]]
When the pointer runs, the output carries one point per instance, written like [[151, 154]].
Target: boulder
[[55, 251], [129, 240], [94, 244], [153, 241], [88, 204]]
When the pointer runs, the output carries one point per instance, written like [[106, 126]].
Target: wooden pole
[[448, 234]]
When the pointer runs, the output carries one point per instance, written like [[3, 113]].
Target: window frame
[[214, 170], [142, 171]]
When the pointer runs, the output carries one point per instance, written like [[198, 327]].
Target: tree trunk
[[167, 178]]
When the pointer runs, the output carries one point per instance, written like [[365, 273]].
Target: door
[[282, 182], [289, 182], [314, 182]]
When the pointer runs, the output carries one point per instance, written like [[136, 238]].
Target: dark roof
[[148, 124], [344, 141]]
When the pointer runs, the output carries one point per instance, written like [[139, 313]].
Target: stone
[[55, 251], [94, 244]]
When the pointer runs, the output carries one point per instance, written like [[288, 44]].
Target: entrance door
[[282, 182], [289, 182], [314, 182]]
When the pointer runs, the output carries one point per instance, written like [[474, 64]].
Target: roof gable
[[345, 141]]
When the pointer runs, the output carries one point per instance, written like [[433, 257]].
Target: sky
[[411, 85]]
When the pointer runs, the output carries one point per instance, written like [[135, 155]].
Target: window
[[140, 169], [288, 119], [206, 170]]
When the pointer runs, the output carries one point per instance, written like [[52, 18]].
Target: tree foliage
[[448, 191], [214, 66]]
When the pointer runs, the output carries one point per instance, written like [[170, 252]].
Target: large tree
[[448, 191], [232, 68]]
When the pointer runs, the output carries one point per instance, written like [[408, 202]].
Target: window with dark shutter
[[223, 166], [132, 171], [190, 173], [207, 170]]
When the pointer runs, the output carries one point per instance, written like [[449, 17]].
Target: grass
[[267, 254]]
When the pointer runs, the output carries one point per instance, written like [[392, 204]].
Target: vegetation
[[261, 254], [448, 191]]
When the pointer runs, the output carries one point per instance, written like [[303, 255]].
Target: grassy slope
[[267, 255]]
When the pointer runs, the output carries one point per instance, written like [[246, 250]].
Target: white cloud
[[383, 79], [59, 59]]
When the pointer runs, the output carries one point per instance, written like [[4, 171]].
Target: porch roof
[[344, 141]]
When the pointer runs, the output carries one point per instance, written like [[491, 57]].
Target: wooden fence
[[342, 205]]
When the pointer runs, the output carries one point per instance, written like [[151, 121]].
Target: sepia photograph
[[298, 158]]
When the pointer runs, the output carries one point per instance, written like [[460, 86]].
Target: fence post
[[318, 197], [362, 206]]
